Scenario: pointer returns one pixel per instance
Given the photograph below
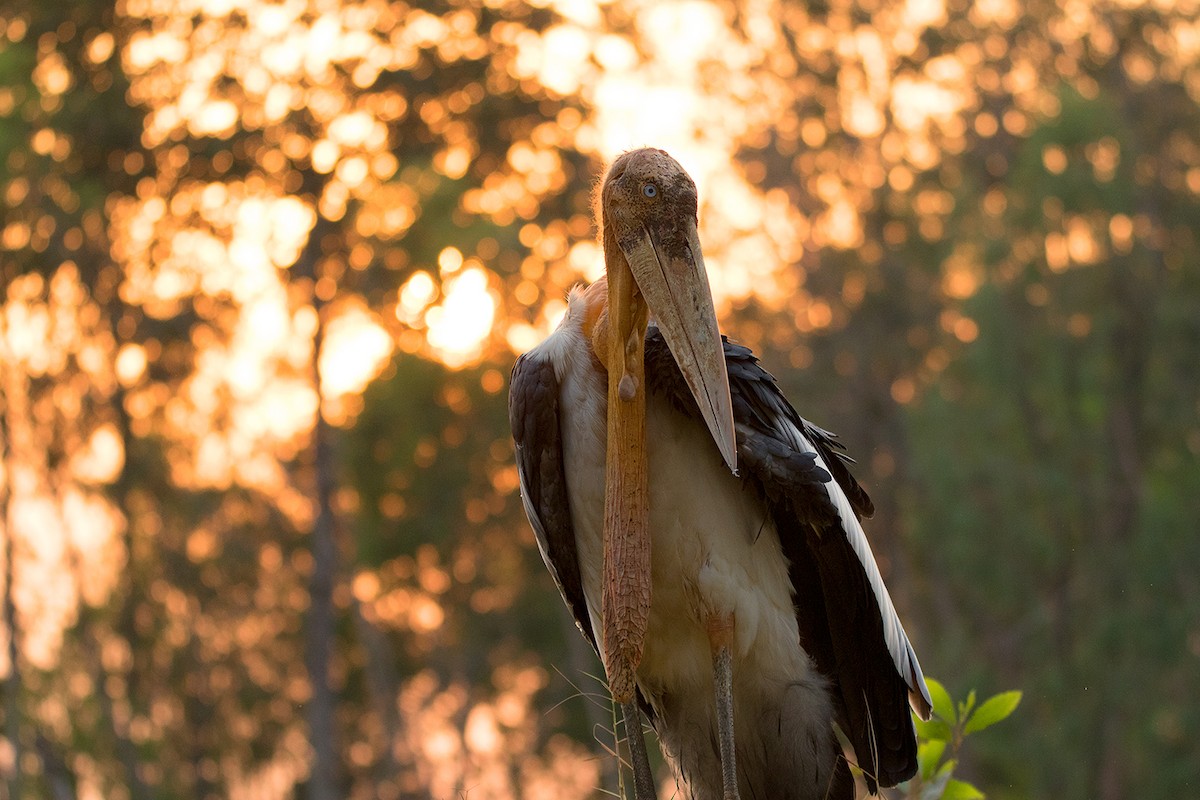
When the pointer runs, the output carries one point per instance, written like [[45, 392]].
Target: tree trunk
[[383, 684], [60, 782], [322, 624]]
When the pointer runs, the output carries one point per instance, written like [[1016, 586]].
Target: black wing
[[847, 623], [534, 416]]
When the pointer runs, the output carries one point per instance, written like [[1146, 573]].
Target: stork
[[705, 537]]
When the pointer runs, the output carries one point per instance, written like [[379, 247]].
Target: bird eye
[[650, 190]]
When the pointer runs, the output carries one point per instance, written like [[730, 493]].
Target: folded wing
[[848, 624]]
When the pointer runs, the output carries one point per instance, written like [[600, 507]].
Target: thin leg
[[643, 778], [720, 636]]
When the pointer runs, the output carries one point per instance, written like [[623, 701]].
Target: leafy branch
[[940, 741]]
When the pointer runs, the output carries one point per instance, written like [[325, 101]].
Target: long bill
[[669, 269]]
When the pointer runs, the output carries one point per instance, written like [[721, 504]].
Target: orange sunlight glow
[[66, 536], [749, 235], [44, 592], [249, 399], [101, 457], [492, 753], [355, 349], [701, 91], [460, 325]]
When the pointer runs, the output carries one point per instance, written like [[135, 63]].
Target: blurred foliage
[[962, 234]]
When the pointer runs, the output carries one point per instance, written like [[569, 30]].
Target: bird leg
[[643, 778], [720, 638]]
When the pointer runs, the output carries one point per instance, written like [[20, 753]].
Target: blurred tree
[[184, 185], [68, 141]]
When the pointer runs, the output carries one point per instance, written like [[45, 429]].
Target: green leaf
[[992, 711], [943, 706], [928, 756], [931, 730], [961, 790]]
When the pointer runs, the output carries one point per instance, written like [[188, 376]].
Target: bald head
[[645, 188]]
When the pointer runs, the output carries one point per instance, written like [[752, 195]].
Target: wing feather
[[533, 413]]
